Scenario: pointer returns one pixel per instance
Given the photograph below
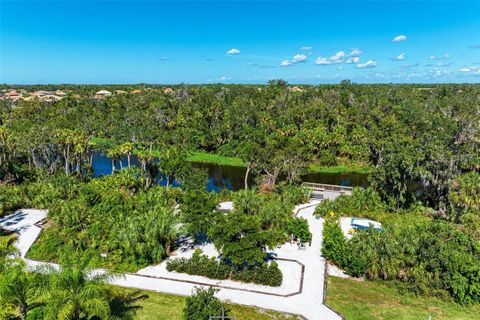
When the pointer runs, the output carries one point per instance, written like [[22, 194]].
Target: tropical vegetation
[[424, 254], [418, 143]]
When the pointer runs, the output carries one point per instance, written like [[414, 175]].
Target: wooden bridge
[[319, 189]]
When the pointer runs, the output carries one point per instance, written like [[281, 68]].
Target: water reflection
[[227, 177]]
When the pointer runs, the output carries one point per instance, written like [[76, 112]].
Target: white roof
[[104, 92]]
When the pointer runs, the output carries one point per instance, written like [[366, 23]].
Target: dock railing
[[327, 187]]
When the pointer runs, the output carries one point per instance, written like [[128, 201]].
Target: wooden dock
[[319, 189]]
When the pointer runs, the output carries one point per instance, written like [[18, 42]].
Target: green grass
[[366, 300], [339, 169], [161, 306], [342, 168], [205, 157]]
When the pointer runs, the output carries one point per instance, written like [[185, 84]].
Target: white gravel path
[[308, 303]]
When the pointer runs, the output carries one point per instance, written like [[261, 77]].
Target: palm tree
[[75, 292], [114, 154], [127, 149], [159, 232], [19, 290], [7, 250]]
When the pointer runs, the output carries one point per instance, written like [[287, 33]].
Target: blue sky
[[192, 42]]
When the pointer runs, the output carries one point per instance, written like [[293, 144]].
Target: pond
[[232, 178]]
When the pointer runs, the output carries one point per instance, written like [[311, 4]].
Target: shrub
[[298, 227], [294, 194], [198, 210], [335, 246], [363, 202], [202, 265], [327, 158], [202, 305], [429, 256], [11, 199], [256, 223]]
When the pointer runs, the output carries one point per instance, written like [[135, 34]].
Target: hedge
[[202, 265]]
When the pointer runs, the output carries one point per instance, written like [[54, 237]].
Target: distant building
[[120, 92], [295, 89], [102, 94], [12, 93], [167, 90], [136, 91]]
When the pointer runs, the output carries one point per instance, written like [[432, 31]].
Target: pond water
[[227, 177]]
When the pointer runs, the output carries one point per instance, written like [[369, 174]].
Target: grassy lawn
[[342, 168], [161, 306], [368, 300], [205, 157]]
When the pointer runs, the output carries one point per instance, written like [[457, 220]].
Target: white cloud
[[471, 70], [299, 58], [306, 48], [338, 57], [445, 56], [439, 64], [323, 61], [355, 53], [407, 66], [353, 60], [438, 73], [219, 79], [400, 57], [399, 38], [368, 64], [296, 59], [233, 51]]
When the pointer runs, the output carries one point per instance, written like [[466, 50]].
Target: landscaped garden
[[126, 224], [420, 150]]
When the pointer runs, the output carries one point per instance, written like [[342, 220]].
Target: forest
[[420, 144]]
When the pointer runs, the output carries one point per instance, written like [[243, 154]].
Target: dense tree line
[[411, 134]]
